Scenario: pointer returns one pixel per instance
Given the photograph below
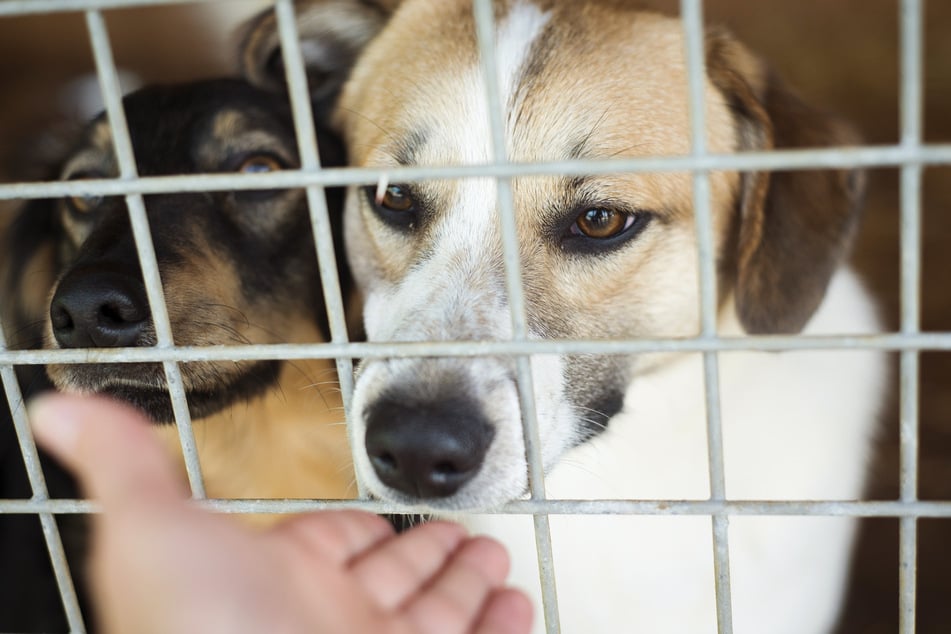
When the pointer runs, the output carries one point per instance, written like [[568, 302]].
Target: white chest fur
[[796, 426]]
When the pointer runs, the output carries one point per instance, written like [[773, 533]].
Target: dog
[[237, 267], [606, 256]]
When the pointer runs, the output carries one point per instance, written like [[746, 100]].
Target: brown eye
[[600, 224], [396, 198], [84, 203], [260, 164], [396, 205]]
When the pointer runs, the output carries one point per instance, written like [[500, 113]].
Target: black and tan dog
[[237, 267]]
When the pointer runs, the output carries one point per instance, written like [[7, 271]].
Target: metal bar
[[32, 7], [692, 17], [908, 525], [125, 156], [377, 350], [717, 471], [791, 159], [21, 425], [34, 472], [939, 509], [911, 136], [485, 35], [316, 200]]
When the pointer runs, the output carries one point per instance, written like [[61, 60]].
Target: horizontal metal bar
[[811, 508], [870, 156], [32, 7], [376, 350]]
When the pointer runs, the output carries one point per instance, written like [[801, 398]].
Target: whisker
[[578, 466], [32, 333], [382, 129], [320, 384]]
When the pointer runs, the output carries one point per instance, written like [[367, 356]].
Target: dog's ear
[[795, 227], [332, 34]]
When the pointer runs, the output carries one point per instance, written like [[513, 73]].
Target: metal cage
[[910, 155]]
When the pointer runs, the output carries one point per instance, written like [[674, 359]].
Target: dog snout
[[426, 450], [99, 308]]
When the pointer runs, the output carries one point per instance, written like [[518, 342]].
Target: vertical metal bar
[[34, 472], [122, 144], [316, 200], [911, 135], [484, 21], [692, 15], [908, 525]]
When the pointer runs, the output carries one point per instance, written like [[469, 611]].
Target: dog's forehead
[[233, 132], [576, 81], [95, 156], [100, 135], [199, 141], [228, 122]]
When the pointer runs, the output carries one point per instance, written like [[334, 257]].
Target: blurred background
[[841, 54], [844, 56]]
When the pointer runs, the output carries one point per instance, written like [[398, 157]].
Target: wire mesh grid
[[910, 155]]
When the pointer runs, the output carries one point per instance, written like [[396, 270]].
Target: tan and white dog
[[603, 256]]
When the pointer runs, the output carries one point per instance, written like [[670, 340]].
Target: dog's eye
[[397, 205], [259, 164], [601, 224], [84, 203], [396, 198], [597, 229]]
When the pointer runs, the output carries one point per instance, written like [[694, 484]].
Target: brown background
[[841, 54], [844, 55]]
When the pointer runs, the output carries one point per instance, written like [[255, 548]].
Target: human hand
[[161, 564]]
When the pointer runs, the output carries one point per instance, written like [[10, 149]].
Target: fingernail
[[53, 424]]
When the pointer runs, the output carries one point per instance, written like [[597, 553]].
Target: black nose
[[426, 450], [98, 309]]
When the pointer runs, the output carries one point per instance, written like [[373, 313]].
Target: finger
[[109, 447], [335, 536], [454, 600], [399, 568], [506, 611]]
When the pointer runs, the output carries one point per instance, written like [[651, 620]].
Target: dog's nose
[[427, 451], [102, 309]]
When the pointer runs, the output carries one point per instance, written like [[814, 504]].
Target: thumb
[[109, 447]]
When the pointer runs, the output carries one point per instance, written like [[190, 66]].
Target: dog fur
[[603, 257], [236, 266]]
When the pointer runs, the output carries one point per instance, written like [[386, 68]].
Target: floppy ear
[[332, 34], [795, 227]]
